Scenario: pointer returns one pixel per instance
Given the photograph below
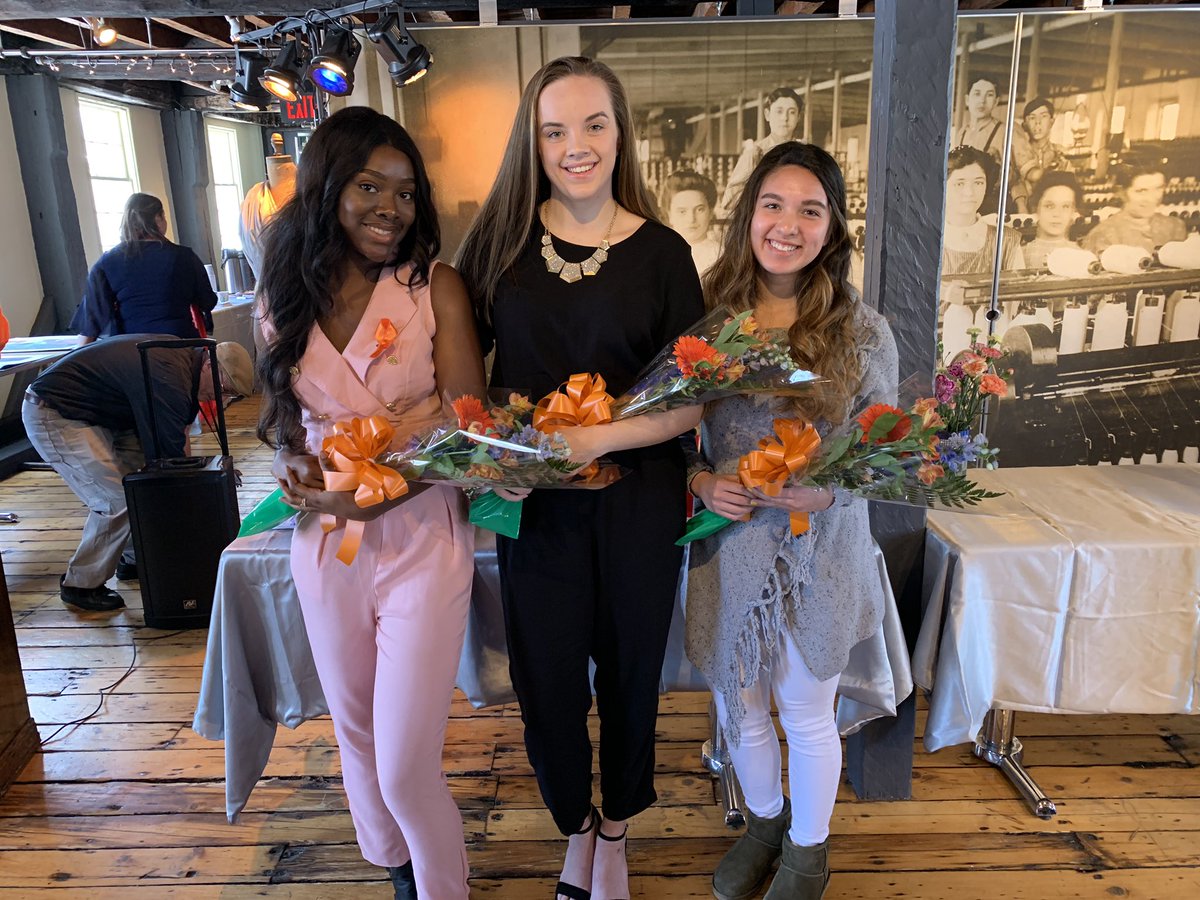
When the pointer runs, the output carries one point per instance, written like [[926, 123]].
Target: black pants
[[593, 575]]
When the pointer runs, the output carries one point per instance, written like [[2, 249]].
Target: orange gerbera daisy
[[471, 412], [696, 357], [898, 431]]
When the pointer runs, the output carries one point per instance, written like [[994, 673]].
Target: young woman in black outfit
[[593, 574]]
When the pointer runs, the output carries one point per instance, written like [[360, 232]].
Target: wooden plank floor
[[129, 805]]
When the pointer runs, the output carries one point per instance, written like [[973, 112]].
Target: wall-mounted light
[[407, 60], [103, 34], [247, 91], [332, 70], [285, 76]]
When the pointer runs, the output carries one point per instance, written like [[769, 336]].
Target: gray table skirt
[[259, 672]]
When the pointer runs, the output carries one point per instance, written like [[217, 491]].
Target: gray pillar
[[41, 140], [910, 126], [187, 169]]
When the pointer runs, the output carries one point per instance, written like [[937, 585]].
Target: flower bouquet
[[909, 456], [505, 445], [721, 355]]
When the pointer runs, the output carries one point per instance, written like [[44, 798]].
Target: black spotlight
[[247, 92], [285, 76], [407, 60], [332, 70]]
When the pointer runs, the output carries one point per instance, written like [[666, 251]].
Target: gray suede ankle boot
[[744, 868], [803, 872]]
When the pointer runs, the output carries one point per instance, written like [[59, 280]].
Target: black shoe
[[126, 571], [97, 599], [404, 881]]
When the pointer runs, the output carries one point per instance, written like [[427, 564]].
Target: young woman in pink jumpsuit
[[349, 256]]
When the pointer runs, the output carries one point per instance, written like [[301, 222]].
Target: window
[[108, 143], [227, 183], [1168, 121]]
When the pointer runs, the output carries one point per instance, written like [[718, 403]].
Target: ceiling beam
[[797, 9], [134, 33], [171, 9], [178, 9], [47, 31], [209, 29]]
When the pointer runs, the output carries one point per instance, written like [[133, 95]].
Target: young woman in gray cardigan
[[768, 612]]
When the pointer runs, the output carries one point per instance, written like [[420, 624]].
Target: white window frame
[[110, 235], [228, 213]]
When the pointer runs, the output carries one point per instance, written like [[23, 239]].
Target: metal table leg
[[997, 744], [716, 760]]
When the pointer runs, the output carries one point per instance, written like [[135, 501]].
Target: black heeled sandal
[[404, 881], [574, 891], [612, 840]]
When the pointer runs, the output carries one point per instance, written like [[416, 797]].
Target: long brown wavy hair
[[823, 337], [502, 229]]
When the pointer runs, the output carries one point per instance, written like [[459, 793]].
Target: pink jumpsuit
[[387, 630]]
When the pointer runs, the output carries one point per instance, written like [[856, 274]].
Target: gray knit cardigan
[[752, 581]]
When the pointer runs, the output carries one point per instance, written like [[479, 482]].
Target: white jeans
[[92, 461], [814, 746]]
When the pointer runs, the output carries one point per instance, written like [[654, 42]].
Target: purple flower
[[955, 370], [944, 388]]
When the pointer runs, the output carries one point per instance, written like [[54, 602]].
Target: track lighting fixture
[[332, 70], [285, 76], [247, 91], [103, 34], [407, 60]]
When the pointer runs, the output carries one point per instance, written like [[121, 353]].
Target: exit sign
[[304, 109]]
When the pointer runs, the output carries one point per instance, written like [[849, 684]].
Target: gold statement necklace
[[572, 272]]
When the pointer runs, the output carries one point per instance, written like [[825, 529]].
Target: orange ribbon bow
[[385, 333], [584, 402], [774, 462], [351, 452]]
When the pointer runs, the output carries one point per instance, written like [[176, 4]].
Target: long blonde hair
[[501, 231], [824, 336]]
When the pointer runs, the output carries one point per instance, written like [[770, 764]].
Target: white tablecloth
[[234, 321], [1080, 595], [259, 672]]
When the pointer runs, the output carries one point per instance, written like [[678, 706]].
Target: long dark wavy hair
[[508, 216], [305, 251], [823, 337]]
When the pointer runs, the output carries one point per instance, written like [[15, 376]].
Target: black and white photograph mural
[[708, 100], [1092, 155]]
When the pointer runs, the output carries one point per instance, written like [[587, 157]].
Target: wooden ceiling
[[192, 24], [199, 26]]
